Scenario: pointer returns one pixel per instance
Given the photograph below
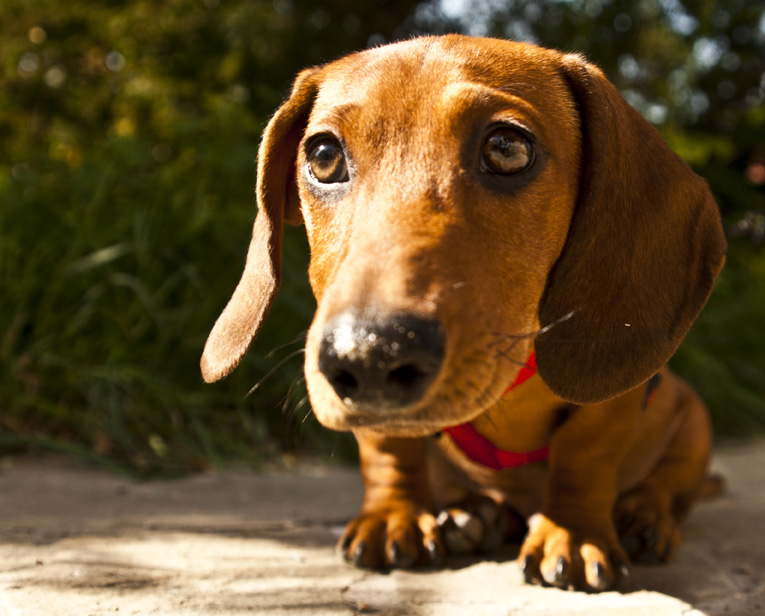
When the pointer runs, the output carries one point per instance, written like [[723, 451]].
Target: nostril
[[344, 383], [405, 376]]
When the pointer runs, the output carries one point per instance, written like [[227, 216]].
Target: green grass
[[723, 355], [113, 274], [125, 213]]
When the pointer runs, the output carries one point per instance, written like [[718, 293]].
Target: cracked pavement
[[74, 540]]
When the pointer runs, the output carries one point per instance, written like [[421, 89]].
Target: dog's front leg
[[573, 542], [395, 526]]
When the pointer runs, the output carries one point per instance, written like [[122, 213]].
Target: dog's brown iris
[[507, 151], [327, 161]]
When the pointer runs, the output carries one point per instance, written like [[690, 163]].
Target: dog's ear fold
[[643, 251], [276, 194]]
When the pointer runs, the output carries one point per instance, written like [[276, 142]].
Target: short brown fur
[[612, 242]]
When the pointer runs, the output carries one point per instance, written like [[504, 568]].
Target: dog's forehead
[[402, 91], [421, 69]]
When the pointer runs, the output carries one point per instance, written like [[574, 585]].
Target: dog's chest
[[504, 451]]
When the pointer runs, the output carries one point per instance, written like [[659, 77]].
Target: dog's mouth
[[443, 407], [397, 375], [404, 426]]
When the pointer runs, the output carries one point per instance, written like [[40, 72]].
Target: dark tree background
[[128, 133]]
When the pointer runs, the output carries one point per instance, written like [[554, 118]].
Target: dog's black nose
[[381, 363]]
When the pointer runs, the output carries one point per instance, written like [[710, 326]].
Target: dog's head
[[460, 196]]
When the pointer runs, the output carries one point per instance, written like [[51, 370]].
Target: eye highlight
[[506, 151], [326, 160]]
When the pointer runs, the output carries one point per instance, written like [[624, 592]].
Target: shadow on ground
[[78, 541]]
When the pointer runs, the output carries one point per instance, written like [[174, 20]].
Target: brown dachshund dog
[[504, 255]]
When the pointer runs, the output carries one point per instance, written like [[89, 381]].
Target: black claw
[[398, 558], [560, 570], [527, 568], [598, 569], [432, 550], [358, 553], [601, 581], [394, 553], [434, 555], [526, 563], [346, 543], [624, 569]]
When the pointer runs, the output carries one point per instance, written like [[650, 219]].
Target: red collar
[[480, 449], [527, 370]]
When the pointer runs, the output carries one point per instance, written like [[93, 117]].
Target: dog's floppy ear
[[276, 193], [643, 251]]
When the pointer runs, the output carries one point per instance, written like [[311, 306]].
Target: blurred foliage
[[128, 133]]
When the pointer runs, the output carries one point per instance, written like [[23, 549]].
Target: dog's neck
[[513, 420], [481, 450]]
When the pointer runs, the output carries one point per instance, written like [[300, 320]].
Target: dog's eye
[[327, 161], [507, 151]]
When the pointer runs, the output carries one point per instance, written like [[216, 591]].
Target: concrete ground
[[76, 541]]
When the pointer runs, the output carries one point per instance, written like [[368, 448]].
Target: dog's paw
[[556, 556], [477, 524], [647, 528], [399, 536]]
